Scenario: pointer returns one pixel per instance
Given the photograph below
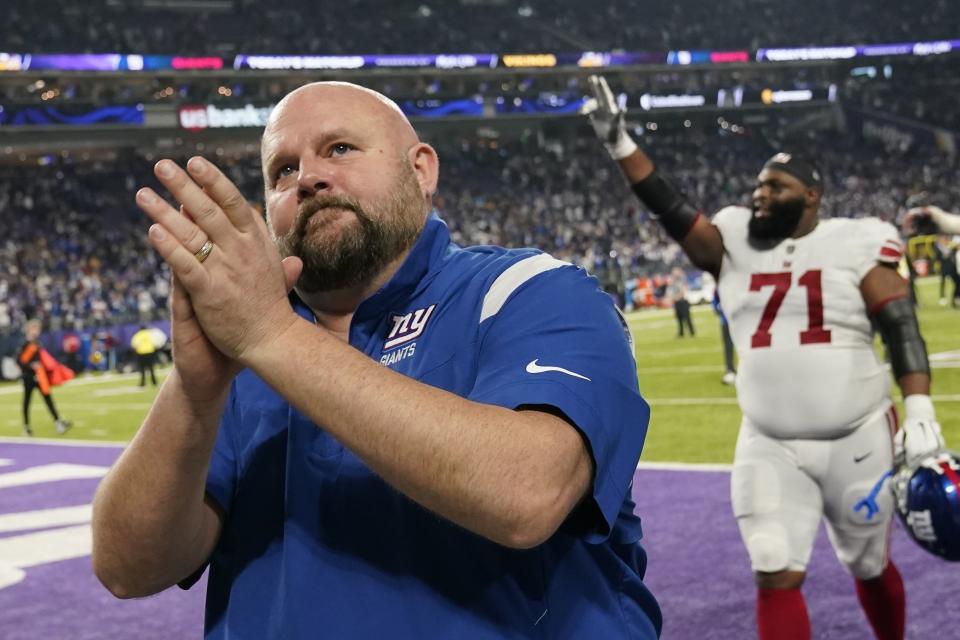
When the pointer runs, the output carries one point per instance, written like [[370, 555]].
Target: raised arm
[[943, 221], [700, 240]]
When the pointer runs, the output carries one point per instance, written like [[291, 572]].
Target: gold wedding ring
[[204, 251]]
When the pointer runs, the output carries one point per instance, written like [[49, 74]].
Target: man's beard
[[782, 221], [355, 254]]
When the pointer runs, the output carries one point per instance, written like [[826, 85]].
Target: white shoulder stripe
[[511, 279]]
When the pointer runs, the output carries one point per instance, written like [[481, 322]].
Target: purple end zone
[[700, 572], [697, 568], [63, 599]]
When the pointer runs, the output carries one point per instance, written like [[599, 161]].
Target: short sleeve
[[558, 340], [875, 242], [731, 222], [222, 474]]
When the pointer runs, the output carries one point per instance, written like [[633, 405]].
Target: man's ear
[[426, 166]]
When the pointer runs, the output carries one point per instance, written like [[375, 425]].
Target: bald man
[[369, 431]]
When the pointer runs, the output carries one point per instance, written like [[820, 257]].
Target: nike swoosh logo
[[533, 367], [857, 459]]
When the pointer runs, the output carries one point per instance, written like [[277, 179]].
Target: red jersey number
[[812, 282]]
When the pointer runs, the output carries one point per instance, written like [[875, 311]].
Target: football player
[[802, 296]]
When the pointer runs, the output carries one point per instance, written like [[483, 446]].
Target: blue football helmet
[[928, 502]]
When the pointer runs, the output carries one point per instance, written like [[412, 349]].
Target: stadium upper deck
[[226, 27]]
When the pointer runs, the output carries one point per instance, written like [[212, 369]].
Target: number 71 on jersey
[[781, 282]]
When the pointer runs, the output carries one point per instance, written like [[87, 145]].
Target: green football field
[[695, 417]]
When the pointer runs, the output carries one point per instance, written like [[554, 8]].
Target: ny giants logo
[[408, 327], [921, 523]]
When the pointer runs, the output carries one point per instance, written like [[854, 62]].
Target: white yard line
[[117, 391], [127, 406], [714, 401], [690, 401], [45, 518], [945, 355], [697, 368], [51, 473], [45, 546], [648, 353], [84, 380], [647, 314], [683, 466], [706, 368], [63, 442]]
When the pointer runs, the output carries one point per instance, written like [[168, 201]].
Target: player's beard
[[782, 221], [355, 254]]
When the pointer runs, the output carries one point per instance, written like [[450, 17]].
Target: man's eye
[[285, 170], [341, 148]]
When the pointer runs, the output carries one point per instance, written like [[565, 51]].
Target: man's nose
[[311, 181]]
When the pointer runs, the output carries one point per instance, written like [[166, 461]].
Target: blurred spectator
[[143, 345], [74, 251], [70, 347], [677, 293], [227, 27], [730, 371], [946, 254], [923, 90]]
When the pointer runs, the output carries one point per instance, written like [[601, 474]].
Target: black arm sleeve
[[671, 207], [898, 327]]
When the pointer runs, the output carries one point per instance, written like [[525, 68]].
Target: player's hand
[[930, 212], [238, 294], [608, 119], [203, 370], [920, 434], [916, 439]]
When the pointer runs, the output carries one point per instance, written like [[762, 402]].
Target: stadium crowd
[[228, 89], [226, 27], [74, 253], [925, 91]]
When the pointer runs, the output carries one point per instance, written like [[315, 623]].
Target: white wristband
[[624, 146], [919, 406]]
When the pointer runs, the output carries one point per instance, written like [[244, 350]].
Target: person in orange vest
[[40, 371], [143, 345]]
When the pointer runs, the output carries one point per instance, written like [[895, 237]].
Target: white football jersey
[[800, 325]]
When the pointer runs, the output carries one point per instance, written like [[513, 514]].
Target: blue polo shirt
[[316, 545]]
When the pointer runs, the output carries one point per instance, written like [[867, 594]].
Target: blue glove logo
[[870, 502]]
